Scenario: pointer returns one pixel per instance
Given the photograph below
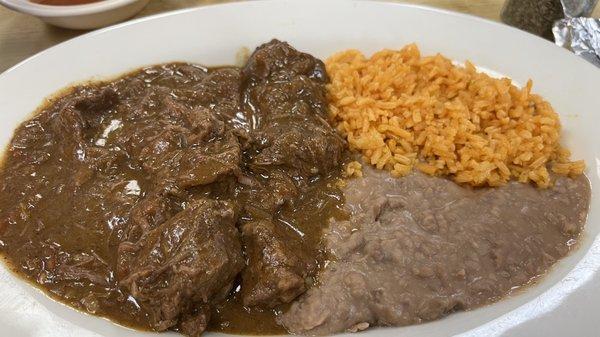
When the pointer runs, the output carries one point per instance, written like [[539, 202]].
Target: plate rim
[[238, 3]]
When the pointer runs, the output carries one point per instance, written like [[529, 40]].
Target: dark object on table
[[539, 16], [534, 16]]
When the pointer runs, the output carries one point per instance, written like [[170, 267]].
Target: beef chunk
[[280, 81], [267, 192], [277, 266], [83, 110], [197, 151], [285, 95], [276, 56], [73, 117], [179, 267], [307, 148], [193, 324], [220, 90], [199, 164], [96, 101], [145, 215], [68, 123]]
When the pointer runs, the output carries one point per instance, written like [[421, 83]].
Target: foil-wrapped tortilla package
[[578, 33], [576, 8]]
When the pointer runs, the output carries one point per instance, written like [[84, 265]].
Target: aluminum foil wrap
[[578, 33], [575, 8]]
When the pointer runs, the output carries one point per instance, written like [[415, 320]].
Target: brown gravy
[[122, 198]]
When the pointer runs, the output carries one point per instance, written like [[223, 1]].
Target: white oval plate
[[564, 303]]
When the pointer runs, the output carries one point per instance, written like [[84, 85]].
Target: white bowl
[[565, 302], [87, 16]]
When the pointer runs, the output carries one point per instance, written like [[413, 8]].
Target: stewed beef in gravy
[[418, 248], [186, 198], [177, 193]]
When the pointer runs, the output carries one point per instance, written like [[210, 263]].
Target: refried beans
[[418, 248]]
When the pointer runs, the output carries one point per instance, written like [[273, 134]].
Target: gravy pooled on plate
[[177, 196]]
